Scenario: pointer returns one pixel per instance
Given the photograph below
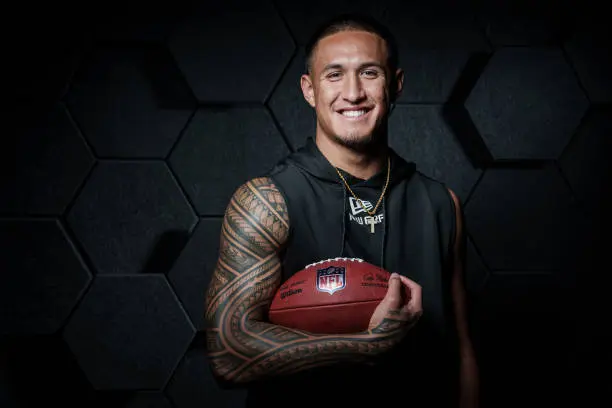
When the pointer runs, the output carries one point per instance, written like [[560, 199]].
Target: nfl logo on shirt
[[331, 279]]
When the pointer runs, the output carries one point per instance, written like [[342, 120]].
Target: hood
[[310, 159]]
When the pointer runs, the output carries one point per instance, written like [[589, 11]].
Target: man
[[345, 194]]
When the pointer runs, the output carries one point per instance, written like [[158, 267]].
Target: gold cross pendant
[[371, 222]]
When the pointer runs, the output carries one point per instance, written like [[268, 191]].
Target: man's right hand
[[397, 312]]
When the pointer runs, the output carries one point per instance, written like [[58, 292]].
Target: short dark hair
[[352, 22]]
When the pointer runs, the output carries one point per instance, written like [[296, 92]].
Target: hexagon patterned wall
[[132, 127]]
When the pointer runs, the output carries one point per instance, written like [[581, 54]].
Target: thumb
[[393, 296]]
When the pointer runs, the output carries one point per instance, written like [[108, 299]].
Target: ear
[[307, 89], [397, 84]]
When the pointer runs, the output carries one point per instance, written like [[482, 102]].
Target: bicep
[[248, 269]]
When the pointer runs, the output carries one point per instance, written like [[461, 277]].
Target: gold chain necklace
[[373, 211]]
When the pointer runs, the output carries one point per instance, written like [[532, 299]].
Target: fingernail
[[394, 275]]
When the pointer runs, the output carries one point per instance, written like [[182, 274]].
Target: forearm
[[244, 347], [252, 350]]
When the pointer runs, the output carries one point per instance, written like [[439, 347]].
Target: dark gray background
[[133, 124]]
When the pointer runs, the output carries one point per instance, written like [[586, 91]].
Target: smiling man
[[349, 84], [345, 193]]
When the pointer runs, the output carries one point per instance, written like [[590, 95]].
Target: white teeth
[[353, 114]]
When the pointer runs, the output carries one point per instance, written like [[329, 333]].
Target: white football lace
[[334, 259]]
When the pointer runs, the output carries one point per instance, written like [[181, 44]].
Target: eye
[[371, 73], [334, 75]]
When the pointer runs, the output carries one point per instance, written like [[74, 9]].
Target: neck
[[359, 164]]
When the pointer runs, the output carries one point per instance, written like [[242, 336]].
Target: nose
[[353, 89]]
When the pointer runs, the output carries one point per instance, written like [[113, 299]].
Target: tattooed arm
[[242, 346]]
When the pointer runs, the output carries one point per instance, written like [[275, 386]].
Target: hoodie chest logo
[[368, 221], [357, 209]]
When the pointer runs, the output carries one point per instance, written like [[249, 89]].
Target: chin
[[357, 141]]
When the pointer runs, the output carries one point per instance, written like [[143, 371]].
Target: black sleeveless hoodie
[[414, 229]]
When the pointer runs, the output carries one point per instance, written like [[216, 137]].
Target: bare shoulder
[[458, 210], [258, 207], [254, 230], [456, 200]]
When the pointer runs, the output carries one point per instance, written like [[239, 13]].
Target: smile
[[355, 114]]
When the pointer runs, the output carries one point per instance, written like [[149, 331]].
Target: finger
[[393, 298], [405, 292], [416, 294], [407, 285]]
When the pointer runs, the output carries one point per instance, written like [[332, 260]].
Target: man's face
[[349, 87]]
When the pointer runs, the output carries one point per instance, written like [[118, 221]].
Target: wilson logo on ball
[[331, 279]]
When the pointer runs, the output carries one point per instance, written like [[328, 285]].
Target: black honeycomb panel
[[295, 116], [41, 370], [524, 219], [436, 42], [42, 54], [302, 21], [526, 320], [527, 103], [586, 161], [476, 272], [43, 277], [518, 292], [421, 134], [129, 332], [130, 22], [192, 271], [131, 217], [590, 52], [149, 399], [130, 101], [430, 75], [220, 150], [524, 23], [537, 304], [193, 385], [436, 24], [46, 159], [232, 51]]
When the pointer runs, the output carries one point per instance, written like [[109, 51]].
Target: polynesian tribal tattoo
[[242, 346]]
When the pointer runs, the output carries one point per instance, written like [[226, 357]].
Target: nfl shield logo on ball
[[331, 279]]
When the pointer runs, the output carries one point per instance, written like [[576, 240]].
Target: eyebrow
[[361, 66]]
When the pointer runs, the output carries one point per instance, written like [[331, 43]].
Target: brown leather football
[[333, 296]]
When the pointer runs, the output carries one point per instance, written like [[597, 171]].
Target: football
[[333, 296]]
